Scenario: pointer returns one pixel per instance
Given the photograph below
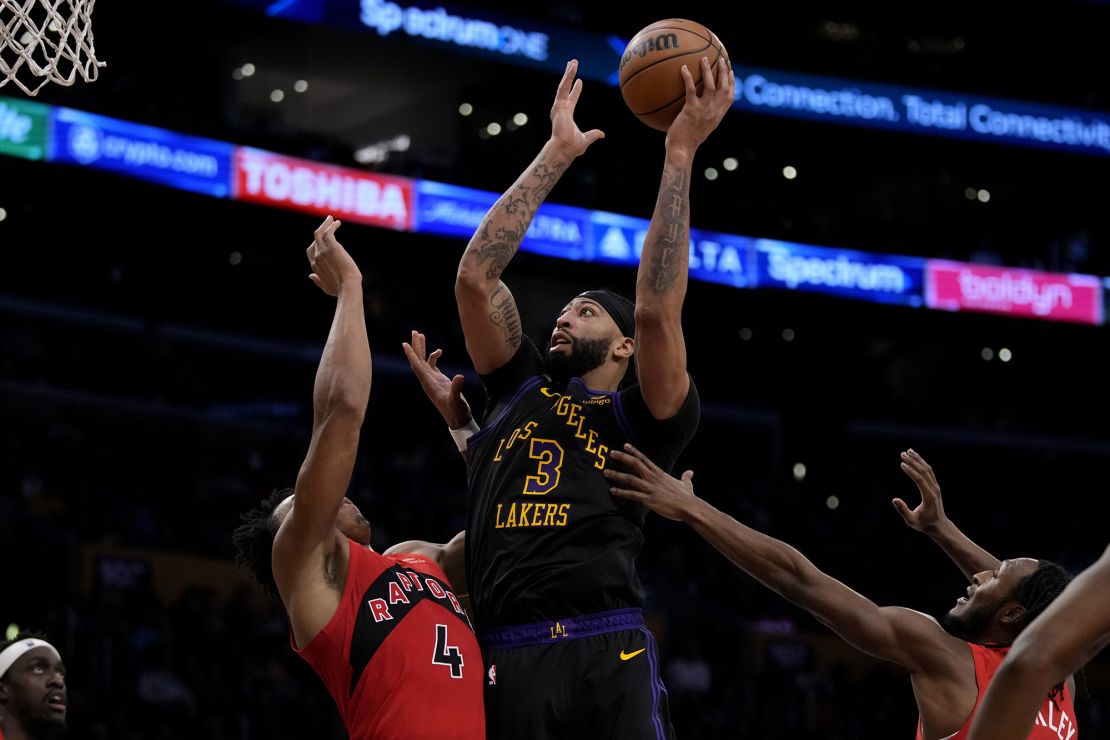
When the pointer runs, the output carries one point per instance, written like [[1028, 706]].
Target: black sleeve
[[503, 382], [662, 441]]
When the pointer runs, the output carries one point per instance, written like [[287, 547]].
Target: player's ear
[[624, 348], [1013, 615]]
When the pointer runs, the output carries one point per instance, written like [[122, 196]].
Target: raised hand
[[564, 131], [444, 393], [701, 114], [331, 266], [648, 484], [929, 514]]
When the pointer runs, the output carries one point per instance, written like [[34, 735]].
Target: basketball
[[650, 68]]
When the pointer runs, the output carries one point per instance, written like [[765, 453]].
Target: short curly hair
[[254, 541]]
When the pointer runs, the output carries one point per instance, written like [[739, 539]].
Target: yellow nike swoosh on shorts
[[633, 654]]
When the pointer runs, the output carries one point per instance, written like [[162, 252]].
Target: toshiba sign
[[347, 194]]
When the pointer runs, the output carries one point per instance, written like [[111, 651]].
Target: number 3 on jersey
[[448, 655], [549, 453]]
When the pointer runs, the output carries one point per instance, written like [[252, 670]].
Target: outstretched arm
[[490, 320], [339, 399], [444, 393], [664, 262], [903, 636], [1071, 631], [929, 517]]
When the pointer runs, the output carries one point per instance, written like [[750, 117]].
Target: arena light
[[746, 334], [520, 119], [731, 163], [788, 335], [300, 86], [789, 172], [983, 195], [277, 96], [987, 354], [493, 129], [710, 173], [247, 69], [1005, 355], [465, 109], [799, 472]]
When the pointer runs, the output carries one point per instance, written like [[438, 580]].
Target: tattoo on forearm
[[670, 244], [547, 175], [504, 227], [505, 316]]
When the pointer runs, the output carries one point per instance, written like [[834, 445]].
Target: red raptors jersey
[[1056, 718], [399, 656]]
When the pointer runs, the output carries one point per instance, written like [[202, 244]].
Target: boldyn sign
[[961, 286]]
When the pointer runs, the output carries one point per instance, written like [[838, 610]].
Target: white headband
[[16, 650]]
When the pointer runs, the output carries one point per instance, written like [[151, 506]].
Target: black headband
[[622, 310]]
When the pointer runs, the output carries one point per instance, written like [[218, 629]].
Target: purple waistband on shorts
[[571, 628]]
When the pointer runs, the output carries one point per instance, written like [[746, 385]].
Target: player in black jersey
[[550, 554]]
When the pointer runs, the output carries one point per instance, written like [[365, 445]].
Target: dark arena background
[[900, 240]]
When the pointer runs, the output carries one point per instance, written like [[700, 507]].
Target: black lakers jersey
[[545, 538]]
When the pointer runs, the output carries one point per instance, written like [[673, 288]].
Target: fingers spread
[[593, 135], [625, 493], [568, 78], [625, 479], [688, 80], [723, 71], [644, 459], [708, 81]]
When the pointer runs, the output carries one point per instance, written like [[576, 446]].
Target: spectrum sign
[[881, 278]]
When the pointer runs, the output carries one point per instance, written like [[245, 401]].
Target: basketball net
[[45, 41]]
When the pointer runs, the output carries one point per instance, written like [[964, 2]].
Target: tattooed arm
[[490, 320], [661, 280]]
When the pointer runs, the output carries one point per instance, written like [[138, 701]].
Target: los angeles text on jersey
[[548, 455]]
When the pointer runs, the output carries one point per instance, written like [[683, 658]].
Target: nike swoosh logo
[[633, 654]]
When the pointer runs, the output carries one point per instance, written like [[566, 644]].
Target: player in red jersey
[[385, 633], [947, 667], [1060, 642]]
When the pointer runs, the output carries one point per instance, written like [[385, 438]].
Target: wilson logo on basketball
[[650, 69], [662, 42]]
